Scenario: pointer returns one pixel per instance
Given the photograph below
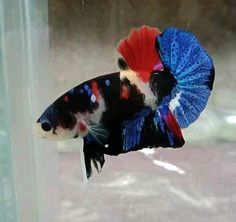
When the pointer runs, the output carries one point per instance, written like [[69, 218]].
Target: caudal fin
[[193, 69], [139, 51]]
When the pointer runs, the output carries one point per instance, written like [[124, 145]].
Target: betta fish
[[163, 85]]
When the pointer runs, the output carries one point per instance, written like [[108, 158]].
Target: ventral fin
[[92, 155]]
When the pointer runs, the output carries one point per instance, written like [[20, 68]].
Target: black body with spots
[[117, 110]]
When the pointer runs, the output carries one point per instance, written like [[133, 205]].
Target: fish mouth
[[55, 134], [37, 131]]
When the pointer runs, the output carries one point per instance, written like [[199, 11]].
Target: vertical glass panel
[[29, 166], [7, 195]]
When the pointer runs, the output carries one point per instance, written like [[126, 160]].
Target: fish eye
[[46, 126]]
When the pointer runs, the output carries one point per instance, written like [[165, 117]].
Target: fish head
[[61, 121]]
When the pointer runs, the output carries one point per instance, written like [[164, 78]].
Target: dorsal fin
[[139, 51]]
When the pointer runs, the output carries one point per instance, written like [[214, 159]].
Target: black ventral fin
[[92, 155]]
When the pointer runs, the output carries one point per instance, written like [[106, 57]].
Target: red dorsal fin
[[139, 51]]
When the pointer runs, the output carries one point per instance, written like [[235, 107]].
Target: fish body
[[163, 85]]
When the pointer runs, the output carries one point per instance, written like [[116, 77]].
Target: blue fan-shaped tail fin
[[193, 70]]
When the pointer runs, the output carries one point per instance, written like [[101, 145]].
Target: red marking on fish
[[82, 127], [139, 51], [66, 99], [124, 92], [173, 126], [95, 89]]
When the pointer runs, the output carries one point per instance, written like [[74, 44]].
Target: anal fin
[[92, 154]]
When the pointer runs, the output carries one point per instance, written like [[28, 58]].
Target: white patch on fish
[[96, 116], [175, 102], [150, 98], [58, 134], [92, 122], [82, 163]]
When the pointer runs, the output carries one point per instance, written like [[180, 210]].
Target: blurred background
[[65, 42]]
